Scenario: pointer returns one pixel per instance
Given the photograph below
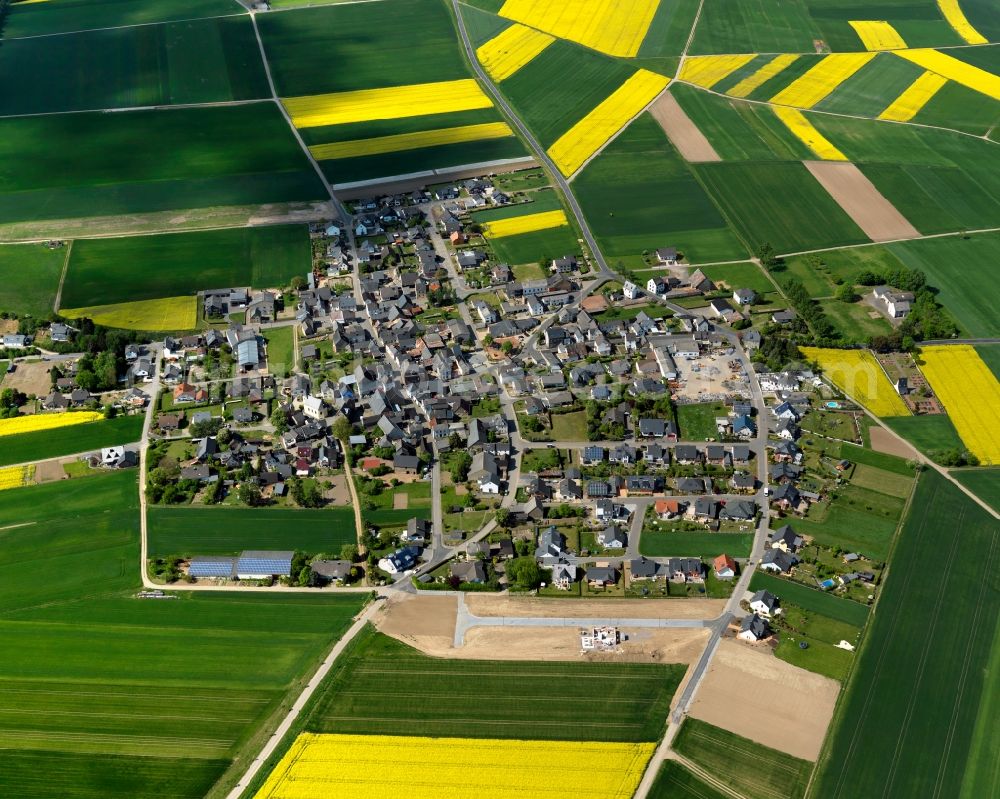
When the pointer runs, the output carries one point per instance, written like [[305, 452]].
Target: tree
[[846, 293], [280, 421], [502, 517], [766, 255], [460, 466], [488, 340], [342, 428], [349, 552], [507, 347], [298, 283], [524, 573], [249, 494]]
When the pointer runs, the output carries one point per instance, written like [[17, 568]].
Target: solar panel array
[[253, 562], [212, 567]]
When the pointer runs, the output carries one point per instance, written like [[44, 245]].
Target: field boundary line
[[62, 278], [704, 775]]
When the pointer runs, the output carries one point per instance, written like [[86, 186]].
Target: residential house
[[724, 567], [754, 628], [765, 603]]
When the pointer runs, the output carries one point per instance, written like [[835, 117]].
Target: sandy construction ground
[[47, 471], [486, 605], [754, 694], [679, 128], [884, 441], [421, 621], [859, 198], [30, 378]]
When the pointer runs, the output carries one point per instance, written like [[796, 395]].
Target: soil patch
[[689, 141], [400, 500], [739, 693], [486, 605], [861, 201], [884, 441], [338, 493], [48, 471], [30, 378], [424, 622]]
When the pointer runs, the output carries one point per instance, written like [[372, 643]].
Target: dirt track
[[754, 694], [682, 132], [486, 605], [861, 201]]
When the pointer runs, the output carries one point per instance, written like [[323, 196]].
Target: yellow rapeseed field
[[410, 141], [616, 28], [752, 82], [956, 18], [971, 395], [877, 35], [806, 132], [368, 767], [707, 70], [915, 97], [859, 375], [46, 421], [416, 99], [16, 476], [169, 313], [525, 224], [822, 79], [950, 67], [587, 136], [506, 53]]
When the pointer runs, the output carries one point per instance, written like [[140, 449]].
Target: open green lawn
[[880, 460], [856, 321], [72, 165], [35, 19], [280, 349], [695, 544], [560, 86], [778, 203], [811, 599], [29, 278], [857, 520], [569, 426], [821, 635], [696, 422], [46, 444], [540, 246], [197, 61], [675, 782], [88, 666], [921, 707], [874, 479], [638, 194], [228, 531], [385, 44], [381, 686], [984, 483], [929, 434], [751, 769], [133, 268], [742, 276], [383, 515]]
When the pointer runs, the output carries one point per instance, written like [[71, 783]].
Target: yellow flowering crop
[[616, 28], [859, 375], [822, 79], [752, 82], [970, 393], [169, 313], [416, 99], [390, 767], [806, 132], [586, 137], [45, 421], [707, 70], [877, 35], [528, 223], [950, 67], [16, 476], [915, 97], [410, 141], [956, 18], [506, 53]]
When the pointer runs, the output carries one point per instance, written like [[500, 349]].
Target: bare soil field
[[338, 493], [400, 501], [859, 198], [690, 142], [31, 378], [487, 605], [424, 622], [739, 694], [885, 441], [48, 471]]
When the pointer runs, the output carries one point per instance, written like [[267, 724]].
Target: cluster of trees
[[811, 312], [10, 400]]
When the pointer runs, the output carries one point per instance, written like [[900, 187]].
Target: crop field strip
[[907, 105], [165, 314], [858, 374], [528, 223], [95, 680], [970, 393], [505, 54], [805, 131], [382, 686], [363, 766], [821, 79], [877, 35], [42, 445], [921, 695]]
